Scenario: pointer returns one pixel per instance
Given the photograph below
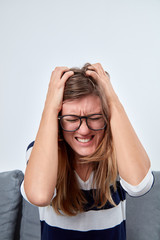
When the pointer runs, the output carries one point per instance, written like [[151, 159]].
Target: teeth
[[84, 140]]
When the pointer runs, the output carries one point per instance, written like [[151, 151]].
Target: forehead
[[83, 106]]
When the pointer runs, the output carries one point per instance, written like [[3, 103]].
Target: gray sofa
[[20, 221]]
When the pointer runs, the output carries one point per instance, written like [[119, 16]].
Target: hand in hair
[[97, 72], [56, 88]]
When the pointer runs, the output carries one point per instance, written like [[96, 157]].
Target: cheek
[[67, 136], [100, 136]]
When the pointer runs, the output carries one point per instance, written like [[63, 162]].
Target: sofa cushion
[[30, 223], [10, 203], [143, 214]]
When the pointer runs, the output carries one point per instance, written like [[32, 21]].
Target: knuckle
[[59, 69], [56, 68]]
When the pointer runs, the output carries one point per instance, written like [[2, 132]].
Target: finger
[[91, 67], [98, 68], [58, 72], [67, 75], [92, 74]]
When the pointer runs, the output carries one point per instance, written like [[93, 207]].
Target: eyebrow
[[83, 115]]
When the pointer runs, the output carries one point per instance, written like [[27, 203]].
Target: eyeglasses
[[71, 123]]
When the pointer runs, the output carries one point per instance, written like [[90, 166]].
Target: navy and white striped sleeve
[[142, 188], [28, 153]]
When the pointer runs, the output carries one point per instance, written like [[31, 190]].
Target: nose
[[83, 127]]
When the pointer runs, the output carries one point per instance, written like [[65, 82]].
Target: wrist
[[51, 109], [114, 102], [50, 113], [112, 97]]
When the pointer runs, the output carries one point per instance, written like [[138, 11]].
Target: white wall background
[[36, 36]]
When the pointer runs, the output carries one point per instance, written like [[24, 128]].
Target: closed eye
[[94, 119], [71, 120]]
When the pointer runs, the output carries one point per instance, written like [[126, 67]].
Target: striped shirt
[[94, 223]]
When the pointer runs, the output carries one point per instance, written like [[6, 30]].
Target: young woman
[[86, 155]]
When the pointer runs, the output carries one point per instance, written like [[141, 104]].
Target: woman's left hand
[[97, 72]]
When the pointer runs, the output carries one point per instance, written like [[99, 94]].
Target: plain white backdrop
[[36, 36]]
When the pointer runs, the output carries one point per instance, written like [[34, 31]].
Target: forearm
[[41, 172], [132, 159]]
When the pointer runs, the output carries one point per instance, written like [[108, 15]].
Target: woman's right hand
[[56, 88]]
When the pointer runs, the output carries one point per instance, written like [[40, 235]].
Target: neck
[[83, 169]]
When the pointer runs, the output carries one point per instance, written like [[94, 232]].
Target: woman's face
[[83, 141]]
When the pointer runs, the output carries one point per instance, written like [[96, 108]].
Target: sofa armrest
[[10, 204], [30, 222], [143, 213]]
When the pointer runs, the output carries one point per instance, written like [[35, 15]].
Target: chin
[[84, 153]]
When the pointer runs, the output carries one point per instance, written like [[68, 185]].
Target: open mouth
[[84, 140]]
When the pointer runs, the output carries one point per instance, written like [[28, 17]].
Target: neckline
[[84, 183]]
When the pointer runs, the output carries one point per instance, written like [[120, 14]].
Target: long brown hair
[[69, 197]]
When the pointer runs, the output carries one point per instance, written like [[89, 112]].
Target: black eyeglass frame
[[80, 118]]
